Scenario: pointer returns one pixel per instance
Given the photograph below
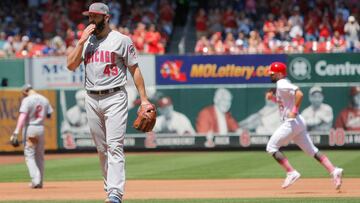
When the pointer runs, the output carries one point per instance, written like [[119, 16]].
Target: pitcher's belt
[[102, 92]]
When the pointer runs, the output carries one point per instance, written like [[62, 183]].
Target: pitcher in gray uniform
[[107, 54], [34, 109]]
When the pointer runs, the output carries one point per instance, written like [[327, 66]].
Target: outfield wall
[[191, 82]]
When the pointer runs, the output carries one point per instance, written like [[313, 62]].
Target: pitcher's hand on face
[[86, 33]]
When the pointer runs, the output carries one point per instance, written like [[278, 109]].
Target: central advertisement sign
[[325, 68], [225, 69]]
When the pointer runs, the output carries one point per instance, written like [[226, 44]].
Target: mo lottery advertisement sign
[[232, 69]]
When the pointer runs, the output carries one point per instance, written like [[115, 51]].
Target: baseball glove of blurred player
[[14, 140], [146, 118]]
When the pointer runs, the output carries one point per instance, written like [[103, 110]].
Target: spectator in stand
[[282, 27], [135, 15], [296, 23], [250, 6], [10, 47], [125, 31], [270, 43], [217, 44], [153, 40], [269, 25], [229, 44], [341, 8], [139, 37], [166, 14], [241, 43], [47, 48], [229, 20], [338, 43], [70, 38], [244, 24], [2, 39], [75, 9], [115, 12], [80, 29], [338, 24], [310, 30], [48, 21], [324, 30], [63, 25], [25, 49], [148, 16], [215, 21], [254, 43], [59, 46], [352, 30], [203, 46], [2, 43], [201, 23]]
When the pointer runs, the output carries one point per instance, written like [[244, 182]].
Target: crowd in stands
[[277, 26], [52, 27]]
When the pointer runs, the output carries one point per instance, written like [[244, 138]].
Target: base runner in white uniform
[[34, 109], [107, 54], [293, 128]]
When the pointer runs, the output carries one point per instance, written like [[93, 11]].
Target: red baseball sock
[[286, 165], [327, 163]]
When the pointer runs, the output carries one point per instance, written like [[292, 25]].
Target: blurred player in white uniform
[[293, 128], [107, 55], [171, 121], [318, 116], [33, 111], [264, 121]]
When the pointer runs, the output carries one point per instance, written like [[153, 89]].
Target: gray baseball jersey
[[106, 61], [37, 107]]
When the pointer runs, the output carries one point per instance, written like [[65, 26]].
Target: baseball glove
[[146, 118], [14, 140]]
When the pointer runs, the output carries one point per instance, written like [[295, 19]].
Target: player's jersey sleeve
[[25, 106], [285, 96], [129, 52], [285, 85]]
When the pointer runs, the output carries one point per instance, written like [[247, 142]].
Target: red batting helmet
[[277, 67]]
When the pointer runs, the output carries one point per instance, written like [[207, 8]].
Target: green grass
[[190, 165], [279, 200]]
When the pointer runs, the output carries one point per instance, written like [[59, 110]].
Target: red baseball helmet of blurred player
[[277, 67]]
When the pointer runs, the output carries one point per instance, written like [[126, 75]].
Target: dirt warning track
[[182, 189]]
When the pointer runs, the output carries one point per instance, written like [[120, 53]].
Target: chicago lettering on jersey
[[100, 56]]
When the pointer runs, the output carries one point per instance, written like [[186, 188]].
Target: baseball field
[[184, 177]]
